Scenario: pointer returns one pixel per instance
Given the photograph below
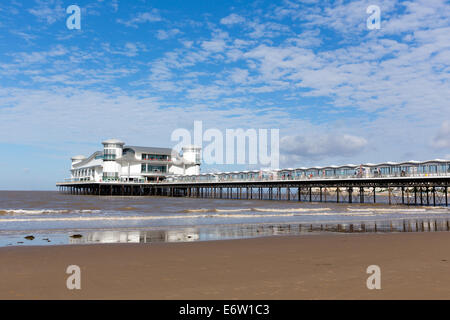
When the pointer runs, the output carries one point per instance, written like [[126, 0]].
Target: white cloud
[[317, 146], [49, 11], [166, 34], [232, 19], [142, 17], [216, 45], [442, 138], [130, 49]]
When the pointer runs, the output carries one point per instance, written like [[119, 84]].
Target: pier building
[[118, 162]]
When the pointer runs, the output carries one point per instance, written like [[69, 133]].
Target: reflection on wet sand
[[184, 235], [259, 230]]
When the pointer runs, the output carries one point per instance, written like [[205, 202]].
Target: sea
[[53, 218]]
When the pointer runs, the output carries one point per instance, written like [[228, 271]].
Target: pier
[[421, 190]]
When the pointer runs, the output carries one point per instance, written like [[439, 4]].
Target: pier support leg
[[434, 195], [374, 195], [337, 194], [350, 195], [361, 195], [299, 194], [310, 194], [403, 195], [446, 196]]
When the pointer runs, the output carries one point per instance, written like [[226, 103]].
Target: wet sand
[[413, 266]]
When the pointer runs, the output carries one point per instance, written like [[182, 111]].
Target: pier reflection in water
[[258, 230]]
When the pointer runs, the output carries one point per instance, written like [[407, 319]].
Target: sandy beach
[[413, 266]]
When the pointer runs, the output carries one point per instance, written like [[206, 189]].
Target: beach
[[317, 266]]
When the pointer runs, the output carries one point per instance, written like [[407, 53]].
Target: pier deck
[[422, 190]]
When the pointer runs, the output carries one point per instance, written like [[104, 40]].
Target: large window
[[110, 176], [155, 157], [109, 154], [149, 168]]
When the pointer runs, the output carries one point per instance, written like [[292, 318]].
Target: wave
[[291, 209], [256, 210], [191, 216], [399, 210], [196, 210], [126, 208], [44, 211], [124, 218], [232, 210]]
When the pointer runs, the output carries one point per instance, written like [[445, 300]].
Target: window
[[112, 145], [155, 157], [110, 175], [109, 154], [153, 169]]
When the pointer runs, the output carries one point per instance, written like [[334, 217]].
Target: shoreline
[[201, 233], [329, 266]]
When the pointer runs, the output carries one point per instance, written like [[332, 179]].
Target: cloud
[[166, 34], [130, 49], [83, 116], [301, 148], [143, 17], [232, 19], [442, 138], [49, 11], [417, 15]]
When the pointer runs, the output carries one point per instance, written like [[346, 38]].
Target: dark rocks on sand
[[76, 236], [29, 237]]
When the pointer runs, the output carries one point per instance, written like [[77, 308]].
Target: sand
[[413, 266]]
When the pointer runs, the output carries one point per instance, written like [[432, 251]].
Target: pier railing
[[215, 179]]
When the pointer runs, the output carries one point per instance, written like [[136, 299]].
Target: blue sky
[[137, 70]]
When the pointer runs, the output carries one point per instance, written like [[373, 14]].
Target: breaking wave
[[256, 210], [16, 212], [124, 218]]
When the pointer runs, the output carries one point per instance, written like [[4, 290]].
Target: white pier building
[[119, 162]]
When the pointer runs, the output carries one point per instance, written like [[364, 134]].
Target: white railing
[[304, 178], [181, 179]]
